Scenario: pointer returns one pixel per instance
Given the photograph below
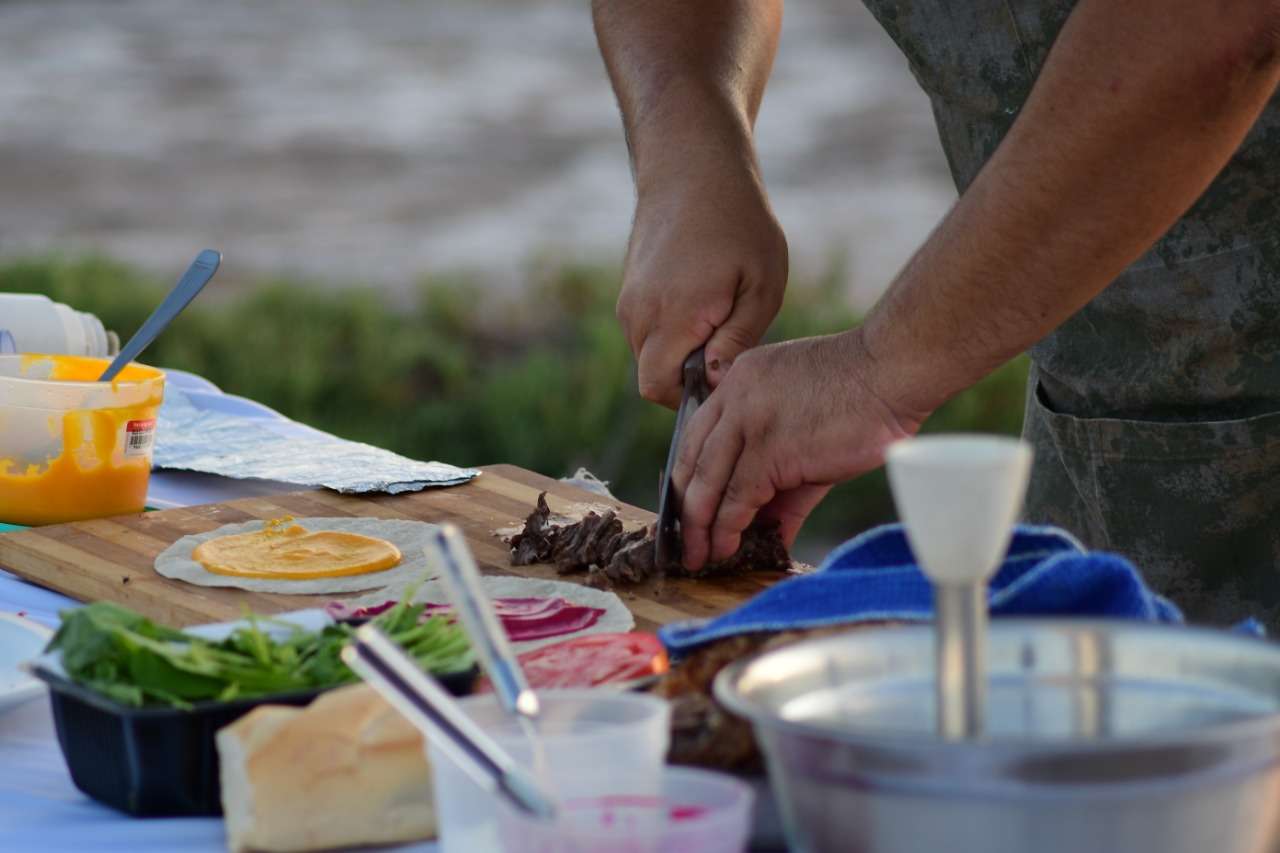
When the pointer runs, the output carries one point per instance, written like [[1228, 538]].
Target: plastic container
[[73, 448], [695, 811], [149, 762], [38, 324], [582, 731], [152, 762]]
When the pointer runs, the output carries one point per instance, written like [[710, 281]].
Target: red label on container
[[139, 437]]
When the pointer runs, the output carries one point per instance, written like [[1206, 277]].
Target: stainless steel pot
[[1101, 736]]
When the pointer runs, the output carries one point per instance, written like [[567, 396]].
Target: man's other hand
[[789, 421], [706, 264]]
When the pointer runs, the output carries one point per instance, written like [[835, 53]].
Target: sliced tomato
[[592, 660]]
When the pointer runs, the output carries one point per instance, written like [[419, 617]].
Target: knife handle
[[695, 375]]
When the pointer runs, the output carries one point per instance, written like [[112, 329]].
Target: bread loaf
[[346, 770]]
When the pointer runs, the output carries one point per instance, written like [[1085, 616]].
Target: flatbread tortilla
[[410, 537]]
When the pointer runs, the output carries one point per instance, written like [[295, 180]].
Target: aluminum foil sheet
[[192, 438]]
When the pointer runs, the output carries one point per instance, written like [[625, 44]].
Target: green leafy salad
[[131, 659]]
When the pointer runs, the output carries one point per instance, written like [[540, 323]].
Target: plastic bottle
[[38, 324]]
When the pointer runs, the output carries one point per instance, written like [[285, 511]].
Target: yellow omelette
[[286, 551]]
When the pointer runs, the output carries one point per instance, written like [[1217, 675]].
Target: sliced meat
[[536, 542], [600, 546]]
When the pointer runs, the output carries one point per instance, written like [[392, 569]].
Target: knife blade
[[667, 536]]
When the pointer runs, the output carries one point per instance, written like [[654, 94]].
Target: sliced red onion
[[523, 618]]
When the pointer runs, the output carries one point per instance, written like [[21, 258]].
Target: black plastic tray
[[154, 761]]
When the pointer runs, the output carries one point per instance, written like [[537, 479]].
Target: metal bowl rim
[[725, 692]]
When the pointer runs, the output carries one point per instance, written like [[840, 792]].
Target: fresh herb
[[129, 658]]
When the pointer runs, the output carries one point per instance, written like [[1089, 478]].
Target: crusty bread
[[346, 770]]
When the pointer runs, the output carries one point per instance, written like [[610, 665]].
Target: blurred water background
[[378, 141]]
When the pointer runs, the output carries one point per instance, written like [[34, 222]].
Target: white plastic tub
[[73, 448], [584, 732]]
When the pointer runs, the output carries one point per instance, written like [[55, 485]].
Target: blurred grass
[[545, 380]]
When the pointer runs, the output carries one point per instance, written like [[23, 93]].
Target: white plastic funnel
[[958, 497]]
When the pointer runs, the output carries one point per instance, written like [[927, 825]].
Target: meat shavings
[[608, 553]]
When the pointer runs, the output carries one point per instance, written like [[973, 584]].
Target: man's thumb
[[740, 332]]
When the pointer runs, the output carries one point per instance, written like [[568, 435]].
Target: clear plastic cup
[[695, 811], [72, 447], [584, 733]]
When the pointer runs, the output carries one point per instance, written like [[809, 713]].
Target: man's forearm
[[689, 76], [1137, 108]]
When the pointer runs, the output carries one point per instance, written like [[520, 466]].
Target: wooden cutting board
[[111, 559]]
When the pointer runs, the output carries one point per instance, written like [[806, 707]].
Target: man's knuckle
[[736, 494], [738, 337], [741, 494], [698, 512], [702, 470], [686, 461], [756, 430]]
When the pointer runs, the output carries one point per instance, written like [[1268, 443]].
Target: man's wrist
[[705, 145], [891, 374]]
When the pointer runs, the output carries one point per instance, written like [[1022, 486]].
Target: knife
[[667, 539]]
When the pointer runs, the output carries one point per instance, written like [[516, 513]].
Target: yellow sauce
[[92, 476], [284, 551]]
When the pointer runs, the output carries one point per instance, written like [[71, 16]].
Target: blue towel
[[874, 577]]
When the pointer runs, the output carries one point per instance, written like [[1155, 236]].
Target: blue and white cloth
[[874, 577]]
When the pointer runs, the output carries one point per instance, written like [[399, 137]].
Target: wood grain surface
[[112, 559]]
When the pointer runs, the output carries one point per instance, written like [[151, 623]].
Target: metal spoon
[[420, 698], [958, 497], [191, 283]]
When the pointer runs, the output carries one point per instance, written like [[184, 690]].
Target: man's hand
[[707, 264], [789, 421]]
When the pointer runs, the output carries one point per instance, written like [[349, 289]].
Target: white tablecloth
[[40, 810]]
